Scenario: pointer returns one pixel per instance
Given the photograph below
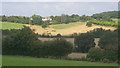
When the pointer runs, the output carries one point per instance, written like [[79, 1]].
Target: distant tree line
[[104, 18], [68, 19], [104, 23], [64, 18], [34, 19], [107, 15]]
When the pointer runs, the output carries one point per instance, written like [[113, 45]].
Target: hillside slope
[[81, 28]]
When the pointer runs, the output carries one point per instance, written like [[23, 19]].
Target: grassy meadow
[[9, 25], [115, 19], [64, 26], [30, 61]]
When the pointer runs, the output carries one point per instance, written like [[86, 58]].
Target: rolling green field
[[9, 25], [29, 61], [64, 26], [116, 19]]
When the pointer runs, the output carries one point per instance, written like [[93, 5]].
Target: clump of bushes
[[84, 42], [111, 53], [25, 42], [19, 42], [95, 54], [89, 24], [108, 51]]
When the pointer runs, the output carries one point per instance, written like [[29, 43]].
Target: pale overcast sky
[[55, 8], [60, 0]]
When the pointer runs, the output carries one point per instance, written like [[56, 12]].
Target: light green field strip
[[64, 26], [29, 61], [9, 25]]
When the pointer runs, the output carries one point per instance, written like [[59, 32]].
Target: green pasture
[[30, 61], [9, 25], [115, 19], [64, 26]]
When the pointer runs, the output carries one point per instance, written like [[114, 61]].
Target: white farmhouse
[[46, 19]]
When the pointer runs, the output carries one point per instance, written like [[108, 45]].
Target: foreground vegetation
[[25, 42], [29, 61], [9, 25]]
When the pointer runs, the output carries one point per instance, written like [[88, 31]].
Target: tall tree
[[36, 19]]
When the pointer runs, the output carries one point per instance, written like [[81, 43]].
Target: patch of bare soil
[[77, 55]]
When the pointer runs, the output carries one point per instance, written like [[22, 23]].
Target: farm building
[[46, 19]]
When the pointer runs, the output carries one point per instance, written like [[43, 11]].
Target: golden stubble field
[[81, 28]]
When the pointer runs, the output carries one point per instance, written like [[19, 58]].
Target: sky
[[22, 8], [60, 0]]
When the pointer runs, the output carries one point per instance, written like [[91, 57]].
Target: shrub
[[89, 24], [84, 42], [111, 53], [98, 32], [109, 38], [61, 47], [57, 48], [109, 42], [19, 42], [95, 54], [44, 25]]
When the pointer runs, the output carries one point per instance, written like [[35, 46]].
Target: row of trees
[[105, 23], [67, 19], [25, 42], [34, 19], [106, 15], [37, 19]]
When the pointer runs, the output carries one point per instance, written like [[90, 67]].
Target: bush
[[61, 47], [44, 25], [109, 42], [111, 53], [19, 42], [57, 48], [84, 42], [89, 24], [98, 32], [25, 42], [109, 38], [95, 54]]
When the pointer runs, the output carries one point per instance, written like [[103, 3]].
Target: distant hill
[[107, 15]]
